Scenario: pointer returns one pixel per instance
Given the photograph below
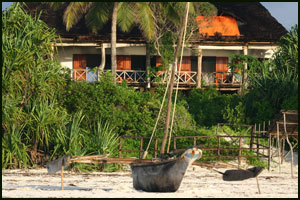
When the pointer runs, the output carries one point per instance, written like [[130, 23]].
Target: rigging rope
[[162, 104], [146, 151], [176, 94]]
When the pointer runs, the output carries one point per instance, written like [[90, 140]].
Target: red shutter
[[123, 62], [79, 64], [221, 66], [186, 63], [185, 67]]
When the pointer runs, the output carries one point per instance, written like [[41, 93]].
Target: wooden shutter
[[185, 67], [221, 67], [186, 63], [123, 62], [79, 66]]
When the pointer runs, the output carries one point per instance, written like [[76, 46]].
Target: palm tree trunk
[[169, 105], [114, 41], [148, 64]]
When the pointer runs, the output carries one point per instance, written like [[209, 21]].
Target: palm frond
[[98, 15], [126, 15], [146, 19], [172, 10], [74, 12]]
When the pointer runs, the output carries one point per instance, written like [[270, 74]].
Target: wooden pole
[[155, 147], [291, 147], [240, 151], [269, 152], [252, 137], [171, 85], [141, 148], [219, 147], [257, 143], [120, 147], [258, 185], [282, 149], [264, 143], [62, 177], [174, 143], [278, 148]]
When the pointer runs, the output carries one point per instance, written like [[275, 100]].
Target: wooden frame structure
[[217, 148], [285, 127]]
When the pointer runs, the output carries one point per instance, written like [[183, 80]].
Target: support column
[[245, 52], [199, 72], [148, 65], [52, 50], [102, 65]]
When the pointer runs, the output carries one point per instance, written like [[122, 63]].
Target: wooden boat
[[163, 176], [166, 176]]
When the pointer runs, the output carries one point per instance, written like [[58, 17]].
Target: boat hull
[[164, 176]]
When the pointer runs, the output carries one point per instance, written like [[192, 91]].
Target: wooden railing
[[184, 77], [84, 74], [227, 78], [131, 76], [140, 77]]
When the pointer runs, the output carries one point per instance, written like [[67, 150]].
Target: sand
[[198, 182]]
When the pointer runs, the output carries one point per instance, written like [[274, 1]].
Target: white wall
[[65, 54]]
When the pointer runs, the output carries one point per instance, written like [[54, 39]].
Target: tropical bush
[[209, 107], [273, 83], [30, 75], [130, 112]]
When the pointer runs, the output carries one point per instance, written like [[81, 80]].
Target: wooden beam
[[199, 72], [212, 47]]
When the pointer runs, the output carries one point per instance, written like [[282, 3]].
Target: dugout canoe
[[163, 176]]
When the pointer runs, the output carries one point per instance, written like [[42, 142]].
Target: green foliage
[[71, 137], [273, 83], [286, 58], [84, 118], [129, 111], [209, 107], [13, 149], [30, 75], [103, 139], [235, 115]]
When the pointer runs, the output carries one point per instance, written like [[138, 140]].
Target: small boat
[[163, 176], [240, 174], [166, 176]]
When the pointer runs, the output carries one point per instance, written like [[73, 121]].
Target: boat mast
[[171, 85]]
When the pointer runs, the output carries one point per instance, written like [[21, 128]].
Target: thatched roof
[[255, 24], [259, 24]]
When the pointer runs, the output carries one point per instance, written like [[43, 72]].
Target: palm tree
[[124, 14]]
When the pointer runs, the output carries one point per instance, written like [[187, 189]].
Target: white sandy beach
[[198, 182]]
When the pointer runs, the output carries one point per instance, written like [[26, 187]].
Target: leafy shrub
[[129, 111], [103, 139], [209, 107], [30, 75]]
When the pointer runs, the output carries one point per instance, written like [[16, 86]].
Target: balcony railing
[[187, 78], [84, 74], [131, 76], [227, 79], [184, 77]]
